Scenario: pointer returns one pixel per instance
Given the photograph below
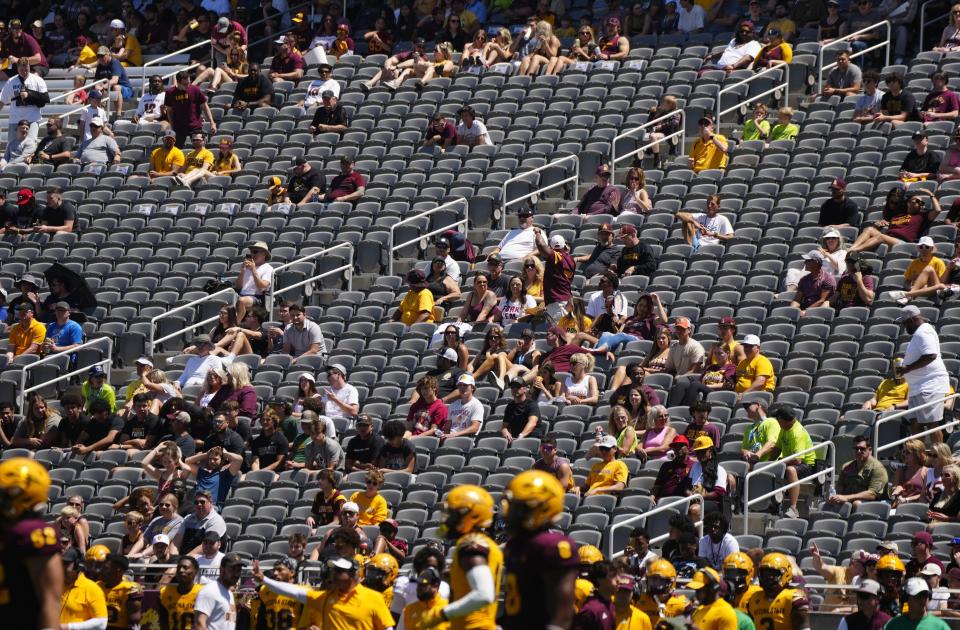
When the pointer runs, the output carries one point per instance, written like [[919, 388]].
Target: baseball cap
[[97, 371], [170, 133], [326, 94], [559, 332], [682, 322], [868, 587], [96, 121], [782, 412], [908, 312], [466, 379], [527, 333], [231, 559], [814, 255], [525, 212], [223, 24], [702, 442], [364, 419], [931, 569], [705, 120], [61, 306], [300, 161], [606, 227], [351, 507], [557, 242], [925, 240], [916, 586], [830, 233], [728, 321], [920, 134], [924, 537], [103, 50], [628, 229], [955, 540], [607, 441], [839, 183], [680, 439], [200, 340], [428, 576], [704, 577], [183, 417], [161, 539], [517, 382], [97, 94], [117, 24], [494, 259], [626, 583], [309, 376], [750, 340], [442, 242], [339, 368], [24, 196], [449, 354], [144, 361]]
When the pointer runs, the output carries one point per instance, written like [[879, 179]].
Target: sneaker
[[365, 87], [898, 295], [948, 292], [499, 381], [791, 512]]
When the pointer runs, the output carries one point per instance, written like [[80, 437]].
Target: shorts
[[804, 470], [932, 414], [126, 92], [258, 299]]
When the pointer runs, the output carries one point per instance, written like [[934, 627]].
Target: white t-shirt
[[318, 87], [931, 378], [209, 567], [716, 552], [216, 601], [469, 135], [517, 243], [596, 305], [692, 20], [89, 113], [718, 223], [265, 271], [510, 311], [453, 269], [733, 53], [196, 369], [463, 414], [150, 107], [10, 91], [696, 477], [347, 394]]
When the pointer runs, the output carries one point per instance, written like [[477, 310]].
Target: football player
[[738, 572], [124, 598], [83, 605], [477, 562], [713, 612], [890, 574], [583, 587], [380, 573], [661, 580], [177, 599], [31, 581], [94, 561], [629, 617], [776, 607], [541, 565], [270, 611]]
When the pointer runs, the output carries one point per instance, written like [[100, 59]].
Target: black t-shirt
[[446, 380], [395, 458], [18, 216], [834, 212], [51, 146], [516, 415], [252, 88], [230, 440], [260, 347], [600, 259], [500, 286], [67, 432], [928, 163], [59, 216], [269, 449], [97, 430], [134, 429], [902, 102], [324, 116], [365, 451], [637, 256], [299, 185]]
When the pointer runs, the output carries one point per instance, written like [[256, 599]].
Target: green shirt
[[744, 622], [929, 622], [106, 393], [751, 130], [873, 476], [784, 132], [794, 440], [762, 432]]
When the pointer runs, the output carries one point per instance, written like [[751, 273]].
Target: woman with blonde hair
[[69, 534], [215, 380], [620, 426], [636, 200], [945, 504], [667, 110], [472, 59], [492, 354], [234, 69], [658, 434], [39, 419], [580, 51], [157, 383], [580, 388], [167, 521], [239, 389], [909, 482], [171, 466], [132, 531], [938, 458], [546, 50], [950, 39], [498, 49], [533, 278]]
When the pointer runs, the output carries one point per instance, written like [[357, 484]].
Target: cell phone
[[194, 24], [248, 257]]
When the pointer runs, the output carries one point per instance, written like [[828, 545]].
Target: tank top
[[609, 45], [658, 364], [580, 389], [438, 289], [916, 483], [620, 439], [553, 469], [652, 439]]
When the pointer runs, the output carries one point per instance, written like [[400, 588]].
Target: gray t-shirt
[[681, 358], [98, 150], [840, 79], [318, 456], [18, 151], [301, 340]]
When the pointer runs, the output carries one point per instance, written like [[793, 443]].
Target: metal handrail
[[176, 53], [152, 344], [614, 158], [667, 504], [784, 85], [79, 89], [763, 466], [900, 414], [24, 390], [924, 22], [392, 246], [503, 197], [274, 291], [885, 44], [184, 69]]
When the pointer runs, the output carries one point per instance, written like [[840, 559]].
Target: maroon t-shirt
[[186, 107], [595, 614], [449, 131], [557, 275], [26, 47], [343, 185], [22, 542], [528, 558], [907, 227], [291, 63], [436, 411], [560, 357], [847, 294]]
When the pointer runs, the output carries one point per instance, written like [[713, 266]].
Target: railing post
[[392, 245], [668, 504], [106, 361], [505, 204], [272, 292]]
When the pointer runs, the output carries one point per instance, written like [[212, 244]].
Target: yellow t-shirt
[[88, 55], [163, 160], [413, 613], [414, 303], [917, 266], [718, 615], [179, 608], [117, 598], [633, 619], [361, 609], [569, 323], [22, 338], [891, 393], [196, 159], [134, 54], [468, 545], [749, 369], [606, 474], [373, 511], [706, 154], [82, 601]]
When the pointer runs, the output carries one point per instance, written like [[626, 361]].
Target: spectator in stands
[[635, 258], [922, 277], [32, 429], [323, 452], [691, 17], [69, 535], [924, 370], [844, 79], [552, 462], [700, 424], [340, 397], [784, 129], [898, 105], [950, 38], [226, 162], [442, 286], [481, 304], [130, 53], [172, 466], [441, 133], [543, 53], [255, 277], [864, 16], [865, 479], [140, 423], [739, 52], [717, 542], [27, 335], [708, 228], [793, 439], [609, 475], [179, 422], [91, 111], [782, 21], [253, 90], [685, 358], [397, 453], [363, 448], [904, 226], [195, 371], [101, 431], [428, 414], [63, 334], [202, 520], [761, 438], [448, 370], [96, 387], [305, 184], [941, 103], [348, 185], [56, 216], [658, 435], [52, 148], [465, 413], [166, 160], [442, 250], [471, 132], [668, 110], [558, 273], [27, 284], [602, 198], [855, 287], [327, 502], [318, 87], [868, 103], [492, 356], [775, 52], [373, 507], [184, 106], [717, 375], [922, 545], [709, 151], [815, 288], [99, 149], [891, 392], [580, 387], [119, 87], [911, 481], [389, 541], [330, 118], [21, 148], [133, 531], [636, 199], [198, 163], [522, 416], [673, 479], [829, 25], [757, 127], [18, 45], [754, 372], [150, 107], [612, 46], [270, 447], [287, 64], [920, 164], [519, 242], [945, 505]]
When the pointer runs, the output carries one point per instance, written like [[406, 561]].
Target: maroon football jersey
[[19, 602], [528, 558]]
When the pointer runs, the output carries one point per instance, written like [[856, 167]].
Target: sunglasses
[[372, 483], [860, 449], [548, 448], [530, 266], [166, 505], [451, 332]]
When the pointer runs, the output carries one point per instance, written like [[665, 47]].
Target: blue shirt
[[217, 483], [66, 335], [115, 69]]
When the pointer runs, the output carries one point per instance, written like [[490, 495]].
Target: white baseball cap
[[831, 233], [931, 569], [915, 586], [117, 24], [466, 379], [449, 354], [338, 367], [557, 242], [144, 361], [814, 254], [925, 240], [310, 377], [750, 340], [350, 506], [161, 539], [607, 441]]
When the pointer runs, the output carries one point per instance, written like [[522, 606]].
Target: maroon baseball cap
[[627, 228], [839, 183], [559, 332], [728, 321], [924, 537]]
